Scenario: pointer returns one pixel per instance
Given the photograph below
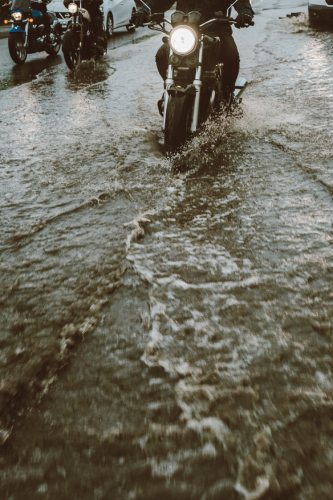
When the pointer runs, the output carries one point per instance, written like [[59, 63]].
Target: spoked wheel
[[17, 50], [177, 122], [109, 25], [71, 49]]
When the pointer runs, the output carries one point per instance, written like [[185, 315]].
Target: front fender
[[176, 90]]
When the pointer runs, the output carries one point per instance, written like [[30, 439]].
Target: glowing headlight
[[73, 8], [183, 40], [17, 16]]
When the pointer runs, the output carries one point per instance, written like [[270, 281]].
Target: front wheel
[[17, 50], [71, 49], [53, 49], [177, 122], [314, 21]]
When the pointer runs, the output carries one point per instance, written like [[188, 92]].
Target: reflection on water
[[89, 73], [22, 73]]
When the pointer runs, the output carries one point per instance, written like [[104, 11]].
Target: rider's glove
[[243, 20], [139, 17]]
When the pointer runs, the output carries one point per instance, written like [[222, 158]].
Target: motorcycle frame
[[157, 23], [197, 84], [24, 29], [78, 21], [27, 26]]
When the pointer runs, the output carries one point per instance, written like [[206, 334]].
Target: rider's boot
[[100, 45], [160, 105], [47, 29]]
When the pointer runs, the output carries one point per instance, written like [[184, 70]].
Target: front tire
[[18, 52], [314, 20], [177, 122], [71, 49], [53, 49]]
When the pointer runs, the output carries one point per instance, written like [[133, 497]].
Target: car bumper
[[321, 13]]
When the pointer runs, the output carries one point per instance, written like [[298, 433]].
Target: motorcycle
[[193, 86], [27, 34], [79, 42]]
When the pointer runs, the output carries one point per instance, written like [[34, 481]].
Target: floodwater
[[166, 325]]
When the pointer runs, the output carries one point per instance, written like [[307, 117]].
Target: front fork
[[26, 29], [77, 21], [169, 81], [197, 83]]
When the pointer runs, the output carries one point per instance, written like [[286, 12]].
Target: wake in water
[[210, 146], [89, 73]]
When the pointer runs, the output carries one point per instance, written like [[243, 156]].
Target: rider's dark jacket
[[206, 7]]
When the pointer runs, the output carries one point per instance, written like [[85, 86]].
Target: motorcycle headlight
[[73, 8], [183, 40], [17, 16]]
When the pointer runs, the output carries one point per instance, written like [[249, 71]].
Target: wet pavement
[[167, 324]]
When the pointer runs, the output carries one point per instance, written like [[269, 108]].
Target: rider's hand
[[139, 17], [243, 20]]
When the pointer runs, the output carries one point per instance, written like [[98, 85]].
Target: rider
[[96, 16], [42, 7], [227, 52]]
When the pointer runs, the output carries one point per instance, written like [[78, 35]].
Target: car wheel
[[109, 25]]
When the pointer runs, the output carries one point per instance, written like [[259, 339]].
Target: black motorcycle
[[79, 40], [27, 34], [193, 86]]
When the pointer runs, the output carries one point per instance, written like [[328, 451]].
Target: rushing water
[[175, 315]]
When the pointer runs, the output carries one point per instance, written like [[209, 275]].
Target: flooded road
[[166, 326]]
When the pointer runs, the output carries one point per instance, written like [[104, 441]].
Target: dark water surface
[[166, 326]]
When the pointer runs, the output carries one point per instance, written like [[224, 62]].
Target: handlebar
[[158, 19]]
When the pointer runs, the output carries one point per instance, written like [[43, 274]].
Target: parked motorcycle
[[79, 41], [27, 34], [193, 87]]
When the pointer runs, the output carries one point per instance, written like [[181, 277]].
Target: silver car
[[116, 14], [60, 11]]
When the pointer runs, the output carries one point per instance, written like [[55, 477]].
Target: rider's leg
[[162, 56], [47, 25], [97, 26], [230, 57], [45, 18]]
